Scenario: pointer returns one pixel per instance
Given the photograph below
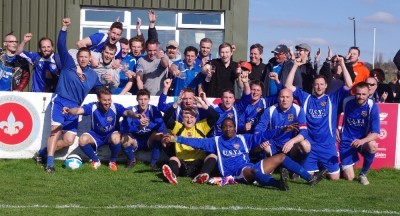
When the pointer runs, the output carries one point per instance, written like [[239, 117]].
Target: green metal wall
[[43, 17]]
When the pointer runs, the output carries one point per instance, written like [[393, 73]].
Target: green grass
[[27, 190]]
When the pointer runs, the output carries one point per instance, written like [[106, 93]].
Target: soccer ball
[[73, 162]]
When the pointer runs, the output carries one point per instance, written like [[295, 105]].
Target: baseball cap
[[173, 43], [281, 48], [303, 46], [246, 65]]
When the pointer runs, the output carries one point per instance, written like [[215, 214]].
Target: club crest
[[364, 113], [230, 115], [189, 134], [259, 109], [323, 103], [236, 145], [109, 119], [290, 117]]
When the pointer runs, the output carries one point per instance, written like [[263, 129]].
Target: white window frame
[[130, 22], [199, 26]]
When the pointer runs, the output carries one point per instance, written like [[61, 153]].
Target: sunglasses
[[371, 84]]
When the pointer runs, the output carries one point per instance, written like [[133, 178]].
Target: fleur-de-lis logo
[[11, 126]]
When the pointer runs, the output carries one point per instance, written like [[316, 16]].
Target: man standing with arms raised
[[74, 84]]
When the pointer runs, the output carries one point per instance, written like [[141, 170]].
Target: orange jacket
[[361, 73]]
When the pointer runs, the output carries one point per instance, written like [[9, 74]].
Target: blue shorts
[[99, 140], [141, 141], [348, 154], [238, 173], [67, 121], [324, 156]]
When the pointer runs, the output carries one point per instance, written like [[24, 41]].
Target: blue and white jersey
[[98, 42], [194, 77], [253, 112], [233, 113], [321, 114], [132, 125], [199, 59], [69, 84], [123, 80], [232, 153], [6, 72], [275, 118], [40, 69], [104, 123], [359, 121]]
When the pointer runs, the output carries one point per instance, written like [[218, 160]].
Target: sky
[[321, 23]]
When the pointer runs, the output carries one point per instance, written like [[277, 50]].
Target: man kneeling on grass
[[233, 154], [188, 161], [105, 117]]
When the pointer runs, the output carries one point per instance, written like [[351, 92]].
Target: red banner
[[386, 152]]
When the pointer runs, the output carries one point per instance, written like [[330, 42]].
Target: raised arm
[[347, 79], [289, 80], [168, 117], [138, 25], [152, 32], [20, 48]]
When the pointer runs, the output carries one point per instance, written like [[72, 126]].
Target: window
[[188, 28]]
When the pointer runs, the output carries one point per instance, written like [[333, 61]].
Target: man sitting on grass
[[143, 133], [105, 117], [233, 154], [188, 161]]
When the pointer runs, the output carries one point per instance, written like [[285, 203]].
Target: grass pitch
[[28, 190]]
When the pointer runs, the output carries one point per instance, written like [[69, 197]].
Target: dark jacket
[[287, 66], [257, 71], [396, 60], [326, 70], [307, 73], [20, 74]]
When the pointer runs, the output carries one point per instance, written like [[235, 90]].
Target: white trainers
[[363, 179]]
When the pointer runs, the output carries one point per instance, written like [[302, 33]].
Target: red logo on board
[[16, 123]]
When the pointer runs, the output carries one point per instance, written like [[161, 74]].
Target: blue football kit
[[358, 122], [101, 39], [321, 117]]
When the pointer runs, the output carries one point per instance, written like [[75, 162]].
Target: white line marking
[[212, 208]]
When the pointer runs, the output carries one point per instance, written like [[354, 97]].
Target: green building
[[186, 21]]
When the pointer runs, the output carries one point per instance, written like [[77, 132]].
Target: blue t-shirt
[[194, 77], [42, 66], [233, 113], [232, 153], [131, 61], [69, 84], [132, 125], [359, 121], [321, 114], [98, 42], [253, 112], [104, 123], [199, 61], [275, 118], [6, 73], [273, 88]]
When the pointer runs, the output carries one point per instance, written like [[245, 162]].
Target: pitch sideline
[[210, 208]]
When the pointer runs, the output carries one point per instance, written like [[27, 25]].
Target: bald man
[[14, 70]]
